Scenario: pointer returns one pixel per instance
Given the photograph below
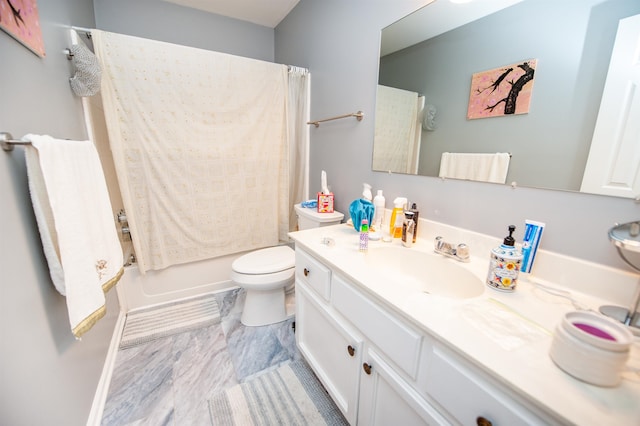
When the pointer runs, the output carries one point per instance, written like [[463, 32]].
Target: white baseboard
[[100, 397]]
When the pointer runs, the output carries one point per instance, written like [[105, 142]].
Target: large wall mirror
[[549, 146]]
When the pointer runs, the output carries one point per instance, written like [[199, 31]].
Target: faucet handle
[[462, 251]]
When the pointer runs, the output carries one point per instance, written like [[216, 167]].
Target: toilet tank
[[310, 218]]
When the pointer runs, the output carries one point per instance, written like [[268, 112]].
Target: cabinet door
[[332, 350], [468, 397], [386, 399]]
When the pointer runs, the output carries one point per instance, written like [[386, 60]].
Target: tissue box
[[325, 202]]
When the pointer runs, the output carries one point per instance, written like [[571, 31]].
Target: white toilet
[[265, 274]]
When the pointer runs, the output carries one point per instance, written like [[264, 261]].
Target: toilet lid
[[265, 261]]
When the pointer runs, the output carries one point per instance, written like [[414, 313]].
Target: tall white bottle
[[378, 214]]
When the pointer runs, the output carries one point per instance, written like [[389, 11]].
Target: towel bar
[[7, 141], [358, 115]]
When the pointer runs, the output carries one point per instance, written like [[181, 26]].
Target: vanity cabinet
[[380, 369], [387, 399], [471, 398], [332, 349]]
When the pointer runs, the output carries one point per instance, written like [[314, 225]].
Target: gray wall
[[164, 21], [46, 377], [566, 94], [339, 42]]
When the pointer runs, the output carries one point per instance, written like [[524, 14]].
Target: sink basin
[[426, 272]]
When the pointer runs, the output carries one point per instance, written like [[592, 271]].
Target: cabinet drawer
[[399, 342], [466, 396], [313, 273]]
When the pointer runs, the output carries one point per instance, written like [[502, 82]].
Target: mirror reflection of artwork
[[19, 18], [502, 91]]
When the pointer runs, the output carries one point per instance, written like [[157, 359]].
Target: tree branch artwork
[[20, 19], [502, 91]]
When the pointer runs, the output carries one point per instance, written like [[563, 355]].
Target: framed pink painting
[[19, 18], [502, 91]]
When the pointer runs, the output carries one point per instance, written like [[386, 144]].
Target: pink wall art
[[502, 91], [19, 18]]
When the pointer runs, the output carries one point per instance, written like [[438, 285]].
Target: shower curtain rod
[[87, 31]]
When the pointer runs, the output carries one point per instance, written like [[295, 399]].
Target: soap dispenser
[[505, 264]]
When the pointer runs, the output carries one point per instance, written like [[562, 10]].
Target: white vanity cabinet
[[334, 352], [331, 347], [471, 398], [387, 399], [379, 368]]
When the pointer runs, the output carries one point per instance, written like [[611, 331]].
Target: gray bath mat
[[290, 395], [148, 324]]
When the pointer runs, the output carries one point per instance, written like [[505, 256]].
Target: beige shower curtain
[[199, 141], [398, 130], [298, 114]]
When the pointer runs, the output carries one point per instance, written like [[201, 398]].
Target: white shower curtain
[[199, 141], [298, 113], [398, 130]]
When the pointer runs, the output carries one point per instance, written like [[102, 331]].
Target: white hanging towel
[[74, 215], [472, 166]]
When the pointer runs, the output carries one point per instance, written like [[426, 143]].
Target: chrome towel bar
[[358, 115], [7, 142]]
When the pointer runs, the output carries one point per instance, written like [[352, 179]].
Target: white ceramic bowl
[[591, 347]]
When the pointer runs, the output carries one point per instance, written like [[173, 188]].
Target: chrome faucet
[[459, 252]]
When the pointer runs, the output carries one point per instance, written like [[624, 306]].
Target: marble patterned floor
[[170, 380]]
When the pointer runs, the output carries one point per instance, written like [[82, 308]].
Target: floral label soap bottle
[[505, 264]]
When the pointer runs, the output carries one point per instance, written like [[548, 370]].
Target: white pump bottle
[[378, 215]]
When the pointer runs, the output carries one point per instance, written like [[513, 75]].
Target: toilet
[[267, 275]]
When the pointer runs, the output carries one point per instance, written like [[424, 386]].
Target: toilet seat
[[264, 269], [265, 261]]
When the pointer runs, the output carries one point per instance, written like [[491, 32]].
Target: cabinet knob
[[367, 368], [306, 272], [351, 350], [481, 421]]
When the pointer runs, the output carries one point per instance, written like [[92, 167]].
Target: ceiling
[[437, 18], [267, 13], [427, 22]]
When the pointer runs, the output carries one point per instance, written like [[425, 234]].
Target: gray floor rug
[[289, 395], [145, 325]]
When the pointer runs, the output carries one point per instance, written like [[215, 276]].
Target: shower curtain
[[298, 114], [200, 144], [398, 130]]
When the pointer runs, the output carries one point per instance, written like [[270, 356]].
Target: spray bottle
[[397, 217]]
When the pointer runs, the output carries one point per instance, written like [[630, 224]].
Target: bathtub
[[136, 290]]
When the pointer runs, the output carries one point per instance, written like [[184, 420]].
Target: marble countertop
[[507, 335]]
